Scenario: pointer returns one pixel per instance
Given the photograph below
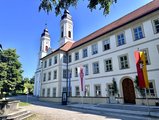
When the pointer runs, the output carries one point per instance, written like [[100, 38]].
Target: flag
[[144, 69], [81, 77], [139, 66]]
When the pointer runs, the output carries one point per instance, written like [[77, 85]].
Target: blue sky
[[21, 25]]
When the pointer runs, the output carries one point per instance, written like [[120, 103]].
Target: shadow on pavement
[[34, 100]]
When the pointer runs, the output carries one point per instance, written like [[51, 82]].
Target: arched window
[[62, 34], [40, 47], [69, 34], [46, 48]]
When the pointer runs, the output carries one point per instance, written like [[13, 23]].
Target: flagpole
[[82, 97], [147, 103]]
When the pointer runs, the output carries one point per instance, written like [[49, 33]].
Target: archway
[[128, 91]]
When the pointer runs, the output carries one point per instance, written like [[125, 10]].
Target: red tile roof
[[66, 46], [146, 9], [142, 11]]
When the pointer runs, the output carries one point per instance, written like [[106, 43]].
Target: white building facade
[[44, 50], [108, 58]]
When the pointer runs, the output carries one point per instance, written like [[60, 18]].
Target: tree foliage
[[28, 85], [58, 5], [11, 72], [115, 88]]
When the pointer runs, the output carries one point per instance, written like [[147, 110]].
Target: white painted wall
[[150, 41]]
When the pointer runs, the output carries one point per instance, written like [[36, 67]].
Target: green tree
[[28, 85], [20, 87], [32, 80], [58, 5], [3, 74], [115, 88], [11, 72]]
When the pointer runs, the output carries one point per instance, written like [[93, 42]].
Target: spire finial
[[45, 25]]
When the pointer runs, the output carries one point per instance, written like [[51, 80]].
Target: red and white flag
[[81, 79]]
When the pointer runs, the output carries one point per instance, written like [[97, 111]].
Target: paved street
[[56, 111]]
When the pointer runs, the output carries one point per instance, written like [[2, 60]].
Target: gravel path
[[56, 111], [49, 113]]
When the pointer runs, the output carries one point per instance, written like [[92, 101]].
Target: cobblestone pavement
[[49, 113]]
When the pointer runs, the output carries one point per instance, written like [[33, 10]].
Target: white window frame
[[44, 77], [50, 61], [69, 58], [77, 92], [55, 74], [45, 63], [138, 34], [70, 73], [146, 52], [120, 41], [64, 73], [64, 58], [106, 43], [55, 59], [48, 92], [120, 64], [95, 67], [54, 92], [149, 94], [154, 26], [76, 72], [85, 53], [87, 91], [94, 49], [86, 68], [49, 75], [43, 92], [109, 66], [76, 56], [97, 92]]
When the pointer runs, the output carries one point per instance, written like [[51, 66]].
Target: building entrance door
[[128, 91]]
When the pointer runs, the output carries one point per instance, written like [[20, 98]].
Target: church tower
[[44, 49], [44, 45], [66, 25]]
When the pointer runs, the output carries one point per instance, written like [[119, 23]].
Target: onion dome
[[45, 33], [66, 15]]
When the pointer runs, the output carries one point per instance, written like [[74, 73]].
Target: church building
[[107, 56]]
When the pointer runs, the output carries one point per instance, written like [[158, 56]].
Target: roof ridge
[[139, 12]]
